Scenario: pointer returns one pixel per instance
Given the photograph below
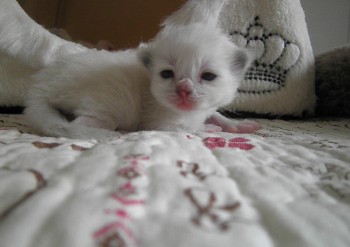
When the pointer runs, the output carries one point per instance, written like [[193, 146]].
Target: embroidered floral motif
[[119, 231], [218, 142], [214, 142], [210, 214], [187, 169], [240, 143]]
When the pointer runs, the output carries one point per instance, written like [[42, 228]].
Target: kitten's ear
[[145, 55], [242, 60]]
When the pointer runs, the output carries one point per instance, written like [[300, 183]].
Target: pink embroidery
[[136, 158], [127, 189], [240, 143], [104, 230], [122, 214], [119, 213], [219, 142], [129, 172], [113, 226], [214, 142], [128, 202], [119, 229], [239, 139]]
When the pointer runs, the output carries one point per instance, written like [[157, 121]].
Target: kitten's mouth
[[184, 96], [184, 104]]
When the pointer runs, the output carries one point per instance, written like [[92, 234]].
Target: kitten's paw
[[111, 139], [106, 135], [231, 125], [247, 126], [212, 128], [88, 133]]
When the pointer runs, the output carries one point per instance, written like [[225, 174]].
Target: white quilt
[[286, 185]]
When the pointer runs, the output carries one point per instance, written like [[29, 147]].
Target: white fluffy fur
[[25, 48], [115, 91]]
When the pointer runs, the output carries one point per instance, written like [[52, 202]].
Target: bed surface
[[286, 185]]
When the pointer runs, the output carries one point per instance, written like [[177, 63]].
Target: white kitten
[[190, 71]]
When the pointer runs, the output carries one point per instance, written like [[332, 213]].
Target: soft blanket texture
[[286, 185]]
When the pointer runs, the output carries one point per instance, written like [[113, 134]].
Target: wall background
[[123, 22], [328, 22], [127, 22]]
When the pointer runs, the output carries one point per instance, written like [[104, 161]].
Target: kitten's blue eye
[[167, 74], [208, 76]]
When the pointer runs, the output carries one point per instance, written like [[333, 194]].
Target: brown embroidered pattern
[[78, 148], [46, 145], [40, 183], [209, 213], [43, 145], [187, 169]]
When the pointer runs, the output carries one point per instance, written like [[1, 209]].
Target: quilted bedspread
[[286, 185]]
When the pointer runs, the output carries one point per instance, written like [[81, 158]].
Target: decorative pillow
[[281, 80]]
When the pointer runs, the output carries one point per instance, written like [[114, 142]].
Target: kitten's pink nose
[[183, 88]]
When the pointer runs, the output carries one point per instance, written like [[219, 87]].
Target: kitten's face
[[194, 68]]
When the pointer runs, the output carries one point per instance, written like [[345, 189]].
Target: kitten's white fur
[[115, 91], [26, 47]]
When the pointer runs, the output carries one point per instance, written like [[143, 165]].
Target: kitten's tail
[[49, 121], [24, 39]]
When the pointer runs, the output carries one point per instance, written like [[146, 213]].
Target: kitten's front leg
[[212, 128], [94, 122], [231, 125], [91, 127]]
